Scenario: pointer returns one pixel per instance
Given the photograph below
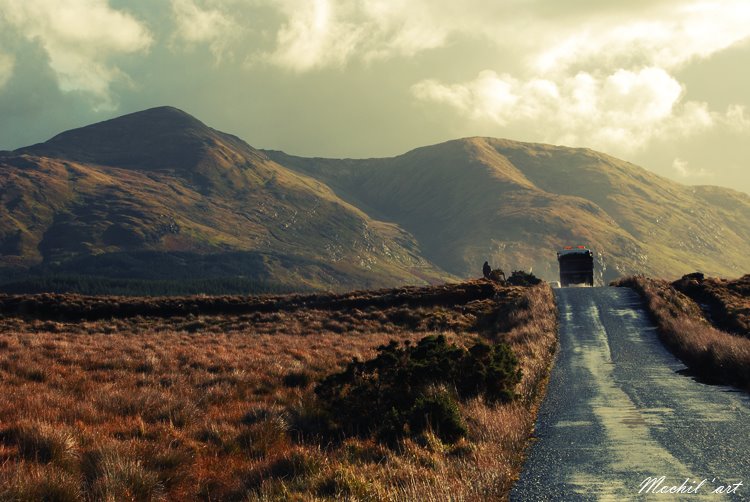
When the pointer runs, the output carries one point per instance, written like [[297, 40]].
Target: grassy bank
[[726, 301], [714, 355], [213, 399]]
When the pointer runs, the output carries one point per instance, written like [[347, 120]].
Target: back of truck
[[576, 266]]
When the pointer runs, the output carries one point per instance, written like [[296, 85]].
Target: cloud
[[642, 79], [7, 62], [318, 34], [80, 37], [331, 33], [736, 119], [618, 112], [609, 82], [315, 34], [667, 37], [682, 169], [666, 33], [197, 25]]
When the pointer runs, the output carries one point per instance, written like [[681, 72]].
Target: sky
[[661, 83]]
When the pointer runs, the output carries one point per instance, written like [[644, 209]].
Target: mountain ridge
[[61, 201], [592, 198], [94, 199], [132, 140]]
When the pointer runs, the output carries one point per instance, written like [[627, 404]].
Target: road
[[618, 411]]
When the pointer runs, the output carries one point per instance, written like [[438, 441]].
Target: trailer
[[576, 265]]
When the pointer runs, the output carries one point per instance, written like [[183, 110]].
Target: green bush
[[390, 395], [441, 414]]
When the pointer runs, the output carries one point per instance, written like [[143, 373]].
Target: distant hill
[[159, 195], [517, 203]]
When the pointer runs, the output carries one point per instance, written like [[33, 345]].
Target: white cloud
[[618, 112], [331, 33], [315, 34], [80, 37], [666, 33], [7, 63], [609, 82], [683, 170], [681, 166], [737, 119], [407, 28], [667, 37], [197, 25]]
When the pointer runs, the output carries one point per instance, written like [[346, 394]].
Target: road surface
[[618, 411]]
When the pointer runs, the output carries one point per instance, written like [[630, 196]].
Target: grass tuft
[[44, 442]]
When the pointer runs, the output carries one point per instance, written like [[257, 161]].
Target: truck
[[576, 265]]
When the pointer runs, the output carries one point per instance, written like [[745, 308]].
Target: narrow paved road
[[617, 411]]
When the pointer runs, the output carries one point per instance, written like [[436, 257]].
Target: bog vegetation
[[412, 393], [97, 285], [405, 391], [726, 303]]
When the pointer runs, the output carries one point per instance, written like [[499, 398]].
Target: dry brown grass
[[213, 407], [714, 355], [727, 302]]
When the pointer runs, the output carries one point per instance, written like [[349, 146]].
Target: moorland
[[218, 398]]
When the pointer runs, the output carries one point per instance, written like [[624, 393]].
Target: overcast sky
[[662, 83]]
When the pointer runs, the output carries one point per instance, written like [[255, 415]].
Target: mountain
[[159, 195], [515, 204]]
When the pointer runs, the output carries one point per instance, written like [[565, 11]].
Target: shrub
[[389, 395], [440, 413], [521, 278]]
